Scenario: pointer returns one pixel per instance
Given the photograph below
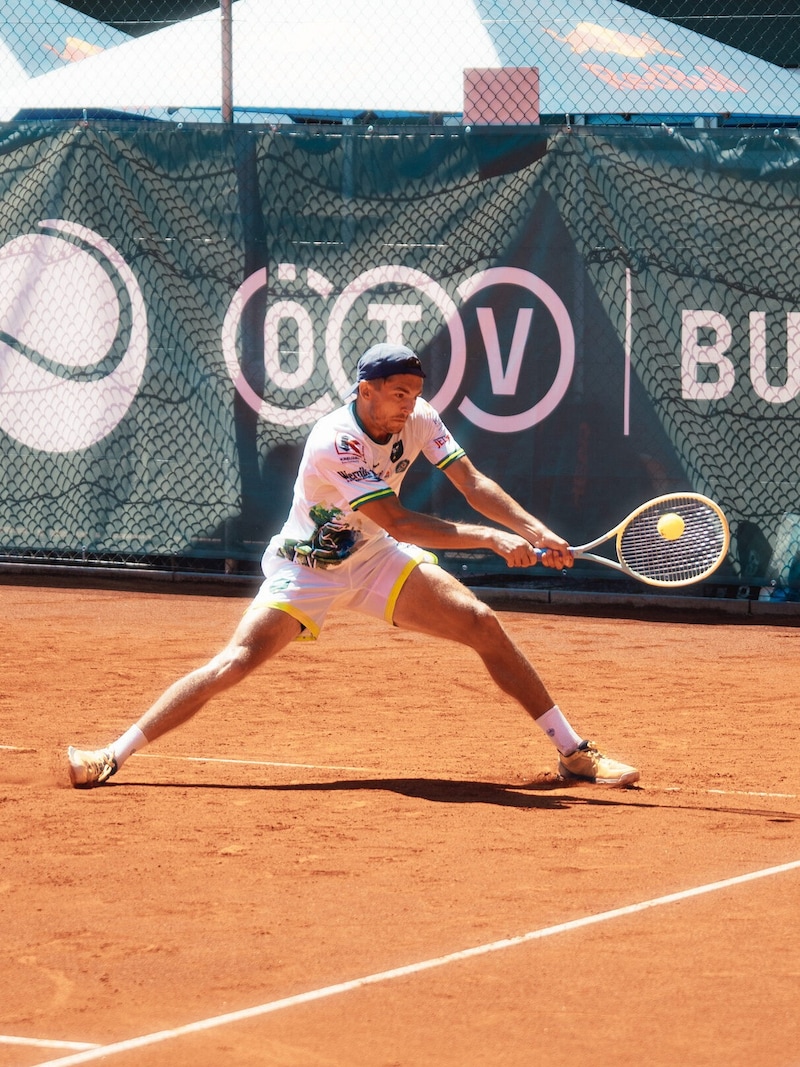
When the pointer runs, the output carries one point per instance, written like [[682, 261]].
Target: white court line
[[743, 793], [403, 972], [254, 762], [732, 793], [376, 770]]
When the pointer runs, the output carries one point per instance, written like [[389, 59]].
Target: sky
[[597, 57], [768, 29]]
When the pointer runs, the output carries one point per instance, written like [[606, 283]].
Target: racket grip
[[540, 553]]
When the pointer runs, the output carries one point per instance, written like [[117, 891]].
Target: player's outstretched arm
[[488, 498], [428, 531]]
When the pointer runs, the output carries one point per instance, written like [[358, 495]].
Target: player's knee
[[231, 665], [484, 629]]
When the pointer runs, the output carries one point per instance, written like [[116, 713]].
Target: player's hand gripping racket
[[671, 540]]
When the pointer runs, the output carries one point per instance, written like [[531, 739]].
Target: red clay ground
[[371, 802]]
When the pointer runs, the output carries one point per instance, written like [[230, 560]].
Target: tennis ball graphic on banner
[[671, 526], [70, 362]]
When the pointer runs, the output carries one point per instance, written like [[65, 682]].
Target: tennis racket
[[671, 540]]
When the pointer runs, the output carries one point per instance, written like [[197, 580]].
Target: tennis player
[[349, 542]]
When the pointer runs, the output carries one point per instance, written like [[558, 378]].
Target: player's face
[[385, 403]]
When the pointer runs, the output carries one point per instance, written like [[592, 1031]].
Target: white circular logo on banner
[[566, 360], [59, 319]]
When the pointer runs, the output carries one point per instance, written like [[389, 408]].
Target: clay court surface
[[370, 807]]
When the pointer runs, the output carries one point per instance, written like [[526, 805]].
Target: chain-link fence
[[194, 213], [709, 62], [605, 315]]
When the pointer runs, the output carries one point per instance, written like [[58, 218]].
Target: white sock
[[131, 741], [559, 730]]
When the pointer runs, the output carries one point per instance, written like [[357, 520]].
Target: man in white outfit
[[349, 542]]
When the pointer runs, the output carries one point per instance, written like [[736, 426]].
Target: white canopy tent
[[338, 57], [14, 74]]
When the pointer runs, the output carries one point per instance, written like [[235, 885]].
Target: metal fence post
[[226, 38]]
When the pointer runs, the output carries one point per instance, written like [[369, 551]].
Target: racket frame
[[585, 551]]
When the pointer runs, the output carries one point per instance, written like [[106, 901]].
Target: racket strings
[[696, 552]]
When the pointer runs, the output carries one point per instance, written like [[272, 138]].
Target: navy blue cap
[[385, 359]]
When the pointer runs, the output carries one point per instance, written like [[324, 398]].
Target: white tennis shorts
[[369, 582]]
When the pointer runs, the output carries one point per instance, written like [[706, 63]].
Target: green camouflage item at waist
[[320, 550]]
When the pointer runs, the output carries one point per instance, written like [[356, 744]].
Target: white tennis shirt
[[342, 468]]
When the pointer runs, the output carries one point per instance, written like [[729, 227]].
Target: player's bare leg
[[434, 602], [261, 634]]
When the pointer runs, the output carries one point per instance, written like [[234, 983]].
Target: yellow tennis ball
[[671, 526]]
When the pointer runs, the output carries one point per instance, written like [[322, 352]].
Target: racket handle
[[540, 553]]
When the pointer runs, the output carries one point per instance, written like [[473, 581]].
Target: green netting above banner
[[605, 315]]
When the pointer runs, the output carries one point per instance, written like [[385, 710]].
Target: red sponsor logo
[[349, 446]]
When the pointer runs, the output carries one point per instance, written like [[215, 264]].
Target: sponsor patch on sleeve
[[348, 448]]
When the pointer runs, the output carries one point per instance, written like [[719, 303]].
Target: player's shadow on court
[[532, 795], [536, 795]]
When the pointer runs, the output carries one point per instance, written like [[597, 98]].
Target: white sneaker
[[90, 768], [586, 764]]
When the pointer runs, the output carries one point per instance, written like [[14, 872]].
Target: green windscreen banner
[[605, 315]]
